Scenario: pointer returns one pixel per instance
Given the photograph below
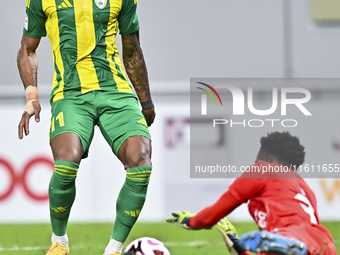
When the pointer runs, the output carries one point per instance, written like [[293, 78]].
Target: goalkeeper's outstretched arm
[[210, 215], [181, 218], [223, 225]]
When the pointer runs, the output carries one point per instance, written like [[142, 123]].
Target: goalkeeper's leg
[[230, 237], [269, 243]]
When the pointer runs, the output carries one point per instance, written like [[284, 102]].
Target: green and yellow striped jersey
[[82, 35]]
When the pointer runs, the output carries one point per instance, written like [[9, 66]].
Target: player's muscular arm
[[136, 69], [27, 60], [28, 69]]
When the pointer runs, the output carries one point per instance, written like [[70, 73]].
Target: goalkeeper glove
[[230, 236], [181, 218]]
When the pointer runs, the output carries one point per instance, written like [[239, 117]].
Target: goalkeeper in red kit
[[284, 209]]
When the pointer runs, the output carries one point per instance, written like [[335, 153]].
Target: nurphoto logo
[[204, 97], [239, 102]]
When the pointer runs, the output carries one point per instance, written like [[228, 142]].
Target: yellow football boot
[[58, 249]]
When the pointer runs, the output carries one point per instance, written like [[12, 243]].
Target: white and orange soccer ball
[[146, 246]]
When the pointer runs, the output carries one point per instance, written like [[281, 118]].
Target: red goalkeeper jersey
[[286, 206], [276, 202]]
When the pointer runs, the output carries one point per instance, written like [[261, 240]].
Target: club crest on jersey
[[100, 3]]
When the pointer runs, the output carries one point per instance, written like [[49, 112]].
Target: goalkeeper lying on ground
[[283, 208]]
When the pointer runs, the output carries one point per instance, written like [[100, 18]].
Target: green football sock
[[62, 192], [130, 201]]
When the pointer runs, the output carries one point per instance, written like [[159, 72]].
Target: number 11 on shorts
[[60, 118]]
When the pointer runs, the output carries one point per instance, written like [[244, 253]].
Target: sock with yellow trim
[[130, 201], [62, 192]]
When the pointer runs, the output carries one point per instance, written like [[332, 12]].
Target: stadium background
[[180, 40]]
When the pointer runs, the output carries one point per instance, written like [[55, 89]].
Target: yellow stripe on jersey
[[110, 37], [122, 85], [110, 40], [86, 42], [52, 29], [28, 3]]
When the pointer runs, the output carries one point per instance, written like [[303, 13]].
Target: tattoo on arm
[[135, 66], [34, 68], [27, 60]]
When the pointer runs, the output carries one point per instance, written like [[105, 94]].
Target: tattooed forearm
[[135, 66], [27, 60], [34, 68], [35, 75]]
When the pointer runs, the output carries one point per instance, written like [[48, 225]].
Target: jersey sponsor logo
[[100, 3], [26, 23], [65, 4]]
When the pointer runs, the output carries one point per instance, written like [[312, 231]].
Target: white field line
[[168, 244], [192, 243], [34, 248]]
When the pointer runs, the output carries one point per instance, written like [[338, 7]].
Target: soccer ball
[[146, 246]]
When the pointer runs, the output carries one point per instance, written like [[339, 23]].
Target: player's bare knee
[[137, 160], [135, 152], [67, 147], [69, 154]]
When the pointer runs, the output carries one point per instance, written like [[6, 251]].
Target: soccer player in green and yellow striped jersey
[[90, 87]]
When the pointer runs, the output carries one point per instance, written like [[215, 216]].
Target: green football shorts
[[116, 113]]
